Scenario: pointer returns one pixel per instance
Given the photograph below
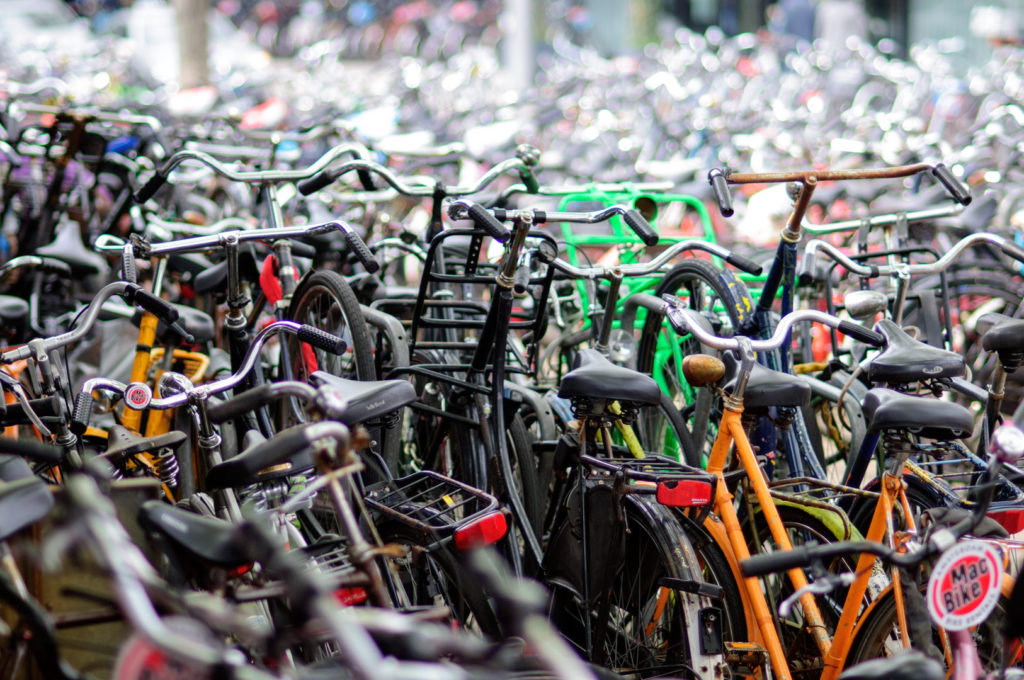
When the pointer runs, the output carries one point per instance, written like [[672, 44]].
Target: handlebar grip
[[806, 269], [315, 183], [744, 264], [958, 191], [483, 218], [357, 247], [521, 280], [33, 450], [720, 187], [529, 181], [1013, 250], [81, 413], [641, 227], [150, 188], [762, 565], [322, 339], [245, 402], [44, 407], [155, 305], [366, 179], [861, 333]]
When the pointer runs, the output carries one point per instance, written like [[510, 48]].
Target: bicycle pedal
[[747, 660]]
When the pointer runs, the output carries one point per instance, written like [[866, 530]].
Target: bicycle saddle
[[594, 377], [765, 387], [367, 399], [23, 503], [198, 323], [122, 442], [212, 540], [68, 248], [905, 360], [886, 409], [1001, 333], [909, 665], [12, 308], [284, 455]]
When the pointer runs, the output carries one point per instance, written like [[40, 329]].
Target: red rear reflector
[[684, 493], [238, 571], [350, 596], [484, 531], [1012, 520]]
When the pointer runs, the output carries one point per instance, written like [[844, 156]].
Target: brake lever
[[821, 586]]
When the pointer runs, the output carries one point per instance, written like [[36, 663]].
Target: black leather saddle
[[210, 539], [286, 454], [1001, 333], [765, 387], [198, 323], [905, 360], [910, 665], [122, 442], [367, 399], [886, 409], [68, 248], [594, 377], [24, 498]]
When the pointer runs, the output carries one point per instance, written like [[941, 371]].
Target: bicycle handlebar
[[688, 321], [937, 212], [132, 294], [248, 176], [309, 334], [813, 247]]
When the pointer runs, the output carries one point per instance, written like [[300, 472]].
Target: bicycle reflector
[[481, 531], [684, 493], [350, 596]]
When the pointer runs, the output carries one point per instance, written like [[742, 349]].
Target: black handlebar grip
[[721, 190], [366, 179], [744, 264], [858, 332], [805, 270], [483, 218], [958, 191], [155, 305], [300, 249], [322, 339], [641, 227], [357, 247], [150, 188], [315, 183], [771, 563], [44, 407], [33, 450], [529, 181], [247, 401], [521, 280], [81, 413], [1013, 250]]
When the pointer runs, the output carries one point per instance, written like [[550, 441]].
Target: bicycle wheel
[[720, 297], [879, 636], [431, 576], [802, 527], [325, 300], [640, 621]]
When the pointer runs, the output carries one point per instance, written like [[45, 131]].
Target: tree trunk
[[193, 42]]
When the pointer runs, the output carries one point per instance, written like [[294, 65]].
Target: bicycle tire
[[645, 626], [432, 576], [710, 291], [801, 651], [878, 636]]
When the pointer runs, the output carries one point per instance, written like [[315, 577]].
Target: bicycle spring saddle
[[910, 665], [288, 453], [886, 409], [210, 539], [595, 377], [68, 248], [367, 399], [905, 360], [1005, 335], [24, 498]]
